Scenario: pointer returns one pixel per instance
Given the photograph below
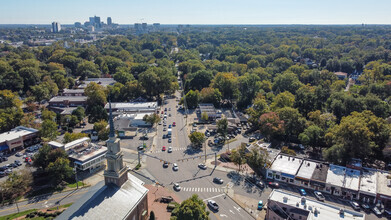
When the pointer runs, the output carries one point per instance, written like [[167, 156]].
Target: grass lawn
[[60, 207], [16, 215], [74, 185]]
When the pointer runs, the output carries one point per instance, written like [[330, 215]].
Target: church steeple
[[111, 122], [115, 172]]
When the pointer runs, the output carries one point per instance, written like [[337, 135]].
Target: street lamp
[[75, 170]]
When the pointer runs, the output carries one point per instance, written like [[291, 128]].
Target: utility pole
[[75, 169], [215, 159]]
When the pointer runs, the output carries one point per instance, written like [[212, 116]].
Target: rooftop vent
[[297, 204], [303, 199], [308, 164], [316, 212], [285, 199], [341, 212]]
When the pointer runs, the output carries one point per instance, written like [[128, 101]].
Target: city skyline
[[200, 12]]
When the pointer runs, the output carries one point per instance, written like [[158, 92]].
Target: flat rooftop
[[336, 175], [368, 183], [68, 98], [73, 91], [383, 186], [325, 211], [17, 132], [100, 81], [87, 154], [320, 172], [352, 179], [129, 106], [286, 164], [306, 169], [74, 143]]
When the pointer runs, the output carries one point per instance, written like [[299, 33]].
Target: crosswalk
[[197, 189], [173, 149]]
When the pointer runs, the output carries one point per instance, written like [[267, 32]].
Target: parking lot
[[9, 162]]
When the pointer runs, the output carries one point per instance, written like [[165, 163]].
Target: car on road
[[19, 154], [303, 192], [177, 187], [377, 212], [169, 115], [169, 150], [169, 126], [213, 205], [194, 125], [169, 109], [165, 164], [218, 180], [255, 181], [273, 185], [175, 167], [260, 205], [160, 123], [164, 129], [169, 140], [141, 147], [319, 196], [173, 124], [163, 148], [355, 205], [202, 166]]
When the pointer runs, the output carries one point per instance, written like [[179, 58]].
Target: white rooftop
[[325, 211], [368, 183], [56, 144], [336, 175], [76, 142], [133, 106], [383, 183], [306, 169], [286, 164], [352, 179], [17, 132]]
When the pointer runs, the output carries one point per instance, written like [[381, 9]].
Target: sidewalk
[[160, 209]]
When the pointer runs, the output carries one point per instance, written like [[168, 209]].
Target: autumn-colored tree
[[271, 125]]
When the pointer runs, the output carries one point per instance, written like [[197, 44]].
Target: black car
[[17, 162], [164, 136], [218, 180], [165, 164], [255, 181], [2, 173], [3, 168], [140, 148], [4, 158]]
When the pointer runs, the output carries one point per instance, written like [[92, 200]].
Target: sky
[[197, 11]]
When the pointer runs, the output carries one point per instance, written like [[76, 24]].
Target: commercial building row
[[352, 182], [18, 138]]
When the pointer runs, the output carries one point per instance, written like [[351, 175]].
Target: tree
[[87, 69], [286, 150], [258, 108], [313, 136], [238, 156], [284, 99], [41, 159], [79, 112], [123, 76], [28, 120], [227, 84], [191, 209], [69, 137], [211, 95], [48, 115], [101, 128], [152, 119], [204, 116], [10, 112], [60, 170], [257, 158], [286, 82], [49, 130], [198, 80], [96, 100], [192, 99], [271, 125], [16, 184], [305, 99], [294, 122], [197, 138], [222, 127]]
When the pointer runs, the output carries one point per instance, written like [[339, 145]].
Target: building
[[56, 27], [109, 21], [91, 28], [335, 180], [284, 205], [368, 186], [73, 92], [383, 194], [121, 196], [68, 101], [133, 107], [319, 177], [305, 172], [77, 25], [208, 109], [351, 184], [18, 138], [284, 168], [341, 75], [131, 120], [101, 81], [84, 155]]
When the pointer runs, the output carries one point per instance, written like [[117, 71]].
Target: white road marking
[[214, 197], [232, 211], [237, 208], [223, 215]]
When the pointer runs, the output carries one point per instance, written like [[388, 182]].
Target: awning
[[4, 147]]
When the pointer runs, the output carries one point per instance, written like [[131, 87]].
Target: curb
[[240, 206]]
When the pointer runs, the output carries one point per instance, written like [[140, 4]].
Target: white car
[[213, 205], [355, 205], [202, 166], [319, 196], [169, 150], [175, 167], [177, 187]]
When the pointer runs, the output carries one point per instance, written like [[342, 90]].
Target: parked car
[[365, 207], [169, 126], [218, 180], [164, 129], [202, 166], [355, 205], [163, 148], [260, 205], [3, 168], [213, 205], [273, 185], [2, 173], [165, 164], [303, 192], [175, 167], [4, 158], [141, 147], [169, 150], [251, 139], [169, 140], [177, 187], [8, 171], [319, 196], [377, 212], [194, 125], [14, 165], [19, 154]]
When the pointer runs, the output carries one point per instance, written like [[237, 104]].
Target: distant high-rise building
[[77, 25], [97, 22], [144, 26], [56, 27], [109, 21], [156, 25], [92, 21]]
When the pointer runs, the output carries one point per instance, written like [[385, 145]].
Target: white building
[[351, 184], [56, 27], [284, 168], [335, 179], [305, 172], [284, 205], [134, 120], [18, 137], [368, 186], [133, 107]]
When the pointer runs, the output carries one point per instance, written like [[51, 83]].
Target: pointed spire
[[111, 122]]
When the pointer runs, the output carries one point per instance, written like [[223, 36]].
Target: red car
[[162, 112], [274, 185], [164, 148], [173, 124], [27, 159]]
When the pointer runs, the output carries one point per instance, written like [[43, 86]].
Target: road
[[45, 201]]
